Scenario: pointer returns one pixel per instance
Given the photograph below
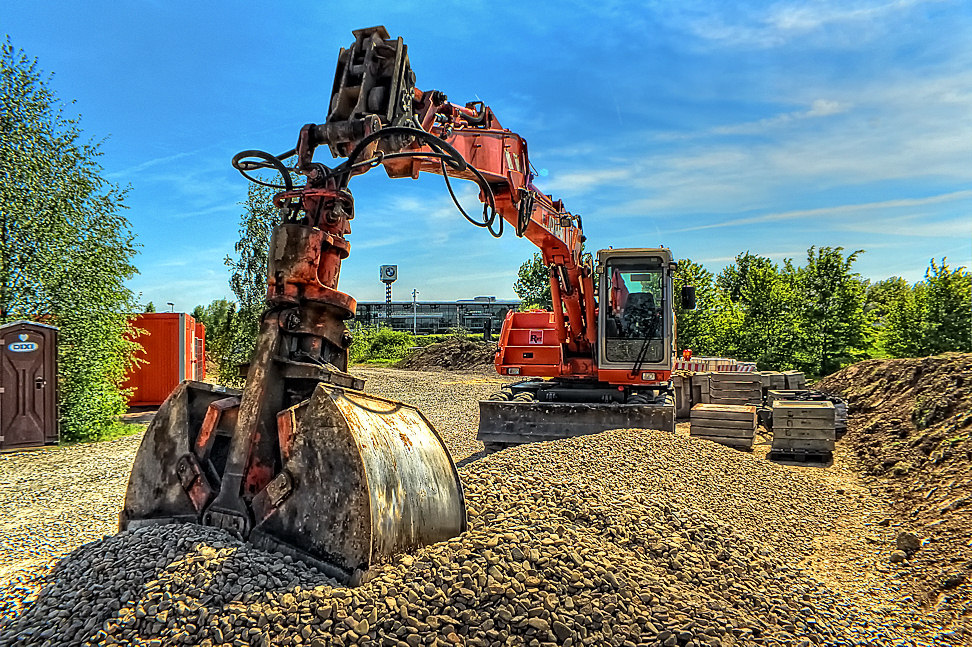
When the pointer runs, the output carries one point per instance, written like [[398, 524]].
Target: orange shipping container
[[174, 349]]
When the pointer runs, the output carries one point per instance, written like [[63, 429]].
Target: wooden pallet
[[798, 456]]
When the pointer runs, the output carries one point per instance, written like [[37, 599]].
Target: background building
[[430, 317]]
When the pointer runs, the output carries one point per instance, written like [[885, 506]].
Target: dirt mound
[[910, 424], [451, 354]]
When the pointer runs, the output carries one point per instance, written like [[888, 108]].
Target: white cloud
[[125, 174], [843, 210], [849, 23], [819, 108], [807, 17], [890, 131], [584, 181]]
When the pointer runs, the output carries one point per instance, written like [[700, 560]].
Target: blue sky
[[708, 127]]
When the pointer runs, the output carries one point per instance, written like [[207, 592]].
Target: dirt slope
[[451, 354], [910, 424]]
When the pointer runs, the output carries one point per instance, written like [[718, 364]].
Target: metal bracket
[[194, 482], [270, 498]]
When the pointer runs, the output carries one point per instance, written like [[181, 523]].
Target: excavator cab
[[636, 317], [626, 383]]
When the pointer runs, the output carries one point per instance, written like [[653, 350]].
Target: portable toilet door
[[28, 379]]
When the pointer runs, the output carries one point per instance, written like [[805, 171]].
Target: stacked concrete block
[[772, 381], [682, 385], [783, 395], [700, 388], [806, 395], [803, 427], [795, 380], [840, 416], [735, 388], [727, 424]]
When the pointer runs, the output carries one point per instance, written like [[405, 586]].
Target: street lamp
[[414, 312]]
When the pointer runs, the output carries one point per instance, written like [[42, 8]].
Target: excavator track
[[518, 420]]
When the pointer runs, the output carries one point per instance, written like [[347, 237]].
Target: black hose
[[456, 160], [489, 209], [441, 150], [270, 162]]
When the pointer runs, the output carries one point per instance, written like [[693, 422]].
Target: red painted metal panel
[[161, 370], [188, 348]]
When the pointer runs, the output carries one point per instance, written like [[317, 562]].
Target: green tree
[[695, 327], [732, 280], [150, 307], [903, 332], [533, 284], [934, 316], [878, 301], [880, 295], [830, 302], [65, 249], [248, 280], [755, 318], [947, 309], [219, 317]]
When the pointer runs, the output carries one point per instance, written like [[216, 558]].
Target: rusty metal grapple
[[302, 461]]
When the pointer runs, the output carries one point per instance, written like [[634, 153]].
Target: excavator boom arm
[[374, 89]]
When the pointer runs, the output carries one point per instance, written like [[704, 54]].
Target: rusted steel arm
[[500, 156]]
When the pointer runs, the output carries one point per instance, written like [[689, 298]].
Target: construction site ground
[[904, 466]]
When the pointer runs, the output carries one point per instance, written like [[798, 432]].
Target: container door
[[200, 352], [187, 347], [28, 414]]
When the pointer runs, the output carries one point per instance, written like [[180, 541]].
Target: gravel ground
[[53, 500], [629, 537]]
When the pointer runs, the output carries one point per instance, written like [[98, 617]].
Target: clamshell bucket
[[358, 478], [371, 478]]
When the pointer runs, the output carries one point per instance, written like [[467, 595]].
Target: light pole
[[171, 306], [414, 312]]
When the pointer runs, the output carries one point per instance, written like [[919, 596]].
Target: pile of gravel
[[586, 541]]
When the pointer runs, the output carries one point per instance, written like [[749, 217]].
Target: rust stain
[[405, 439]]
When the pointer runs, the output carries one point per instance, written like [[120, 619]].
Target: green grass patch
[[379, 345], [384, 361], [117, 430]]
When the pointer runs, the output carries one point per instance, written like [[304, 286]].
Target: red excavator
[[303, 461]]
